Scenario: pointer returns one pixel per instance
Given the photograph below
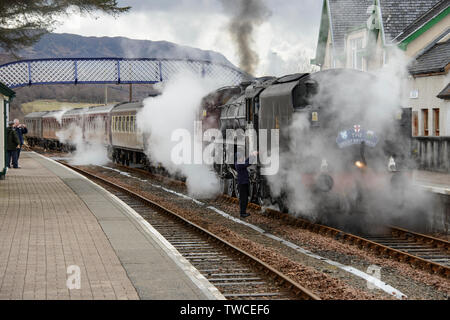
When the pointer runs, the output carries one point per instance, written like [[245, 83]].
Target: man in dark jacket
[[21, 129], [243, 182], [12, 145]]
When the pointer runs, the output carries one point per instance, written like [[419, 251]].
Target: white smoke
[[177, 109], [88, 150], [375, 103], [58, 115], [280, 64]]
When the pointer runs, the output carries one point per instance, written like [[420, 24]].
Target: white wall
[[428, 88]]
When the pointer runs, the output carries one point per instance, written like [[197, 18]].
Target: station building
[[6, 96], [367, 34]]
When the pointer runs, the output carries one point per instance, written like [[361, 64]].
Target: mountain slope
[[55, 45], [74, 46]]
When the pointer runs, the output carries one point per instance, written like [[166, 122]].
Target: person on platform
[[21, 129], [243, 181], [12, 146]]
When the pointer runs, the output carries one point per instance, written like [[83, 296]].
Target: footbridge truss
[[111, 71]]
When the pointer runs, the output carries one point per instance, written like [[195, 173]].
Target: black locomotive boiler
[[341, 148]]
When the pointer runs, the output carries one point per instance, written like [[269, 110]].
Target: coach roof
[[100, 109], [127, 107], [36, 114]]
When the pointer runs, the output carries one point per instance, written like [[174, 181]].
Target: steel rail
[[360, 241], [278, 277]]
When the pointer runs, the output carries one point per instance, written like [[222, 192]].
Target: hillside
[[69, 45], [55, 45]]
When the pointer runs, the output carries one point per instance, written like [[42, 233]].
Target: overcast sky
[[284, 42]]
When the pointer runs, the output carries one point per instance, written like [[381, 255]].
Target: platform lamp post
[[6, 97]]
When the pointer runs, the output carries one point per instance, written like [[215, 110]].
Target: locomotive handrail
[[109, 70]]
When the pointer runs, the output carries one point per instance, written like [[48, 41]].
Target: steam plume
[[245, 16]]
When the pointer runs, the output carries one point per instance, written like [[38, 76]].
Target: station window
[[415, 123], [356, 46], [425, 122], [436, 122]]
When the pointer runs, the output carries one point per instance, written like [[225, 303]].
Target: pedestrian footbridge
[[111, 71]]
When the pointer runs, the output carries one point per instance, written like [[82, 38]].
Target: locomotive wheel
[[281, 201], [251, 192], [229, 187], [223, 186], [260, 196]]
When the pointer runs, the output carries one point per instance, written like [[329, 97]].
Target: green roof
[[6, 91]]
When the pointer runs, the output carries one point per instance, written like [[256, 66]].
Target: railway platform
[[64, 237], [433, 181]]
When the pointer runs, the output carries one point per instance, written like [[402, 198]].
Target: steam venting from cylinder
[[246, 15]]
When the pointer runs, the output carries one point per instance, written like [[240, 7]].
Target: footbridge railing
[[111, 71]]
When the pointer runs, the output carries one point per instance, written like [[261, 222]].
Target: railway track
[[235, 273], [419, 250]]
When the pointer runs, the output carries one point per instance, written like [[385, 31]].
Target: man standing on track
[[21, 129], [243, 181], [12, 145]]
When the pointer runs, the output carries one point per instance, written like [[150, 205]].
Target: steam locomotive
[[339, 150]]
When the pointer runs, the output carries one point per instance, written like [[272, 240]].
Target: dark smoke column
[[246, 15]]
